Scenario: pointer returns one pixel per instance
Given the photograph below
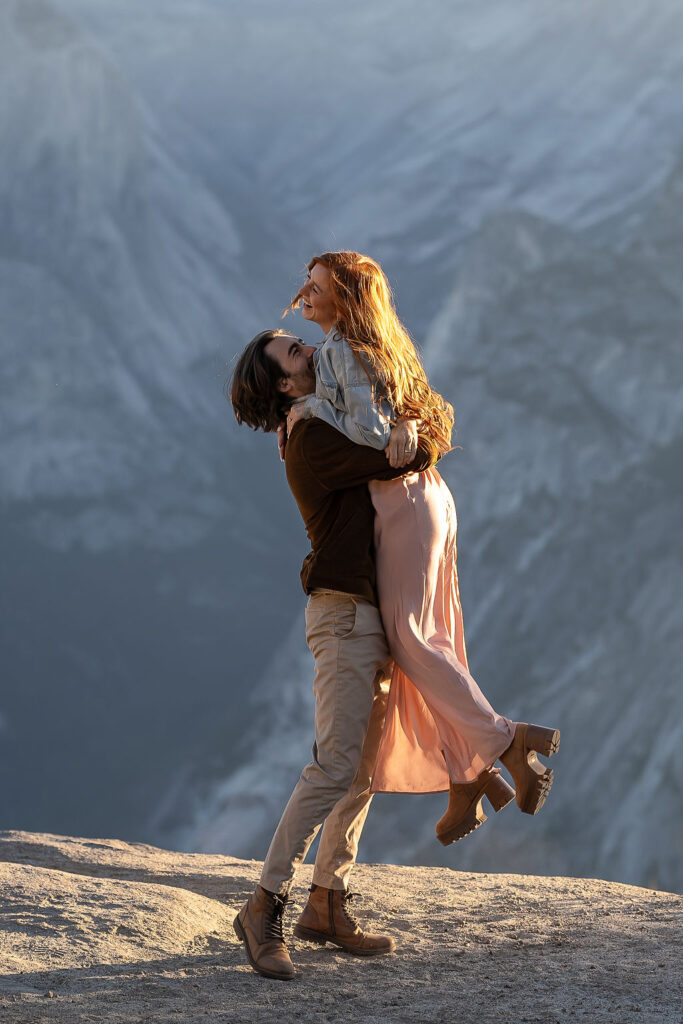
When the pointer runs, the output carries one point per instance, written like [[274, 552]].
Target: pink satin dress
[[439, 725]]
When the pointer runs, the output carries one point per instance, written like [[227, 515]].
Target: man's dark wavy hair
[[254, 392]]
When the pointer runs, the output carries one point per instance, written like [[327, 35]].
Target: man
[[328, 476]]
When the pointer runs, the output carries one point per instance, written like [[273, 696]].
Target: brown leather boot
[[259, 926], [531, 777], [326, 918], [465, 811]]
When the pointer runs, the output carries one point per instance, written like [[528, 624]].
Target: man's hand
[[402, 446]]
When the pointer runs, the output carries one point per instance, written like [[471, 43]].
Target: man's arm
[[339, 463]]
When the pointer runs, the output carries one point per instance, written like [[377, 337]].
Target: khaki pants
[[347, 640]]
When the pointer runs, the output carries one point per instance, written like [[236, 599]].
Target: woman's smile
[[316, 298]]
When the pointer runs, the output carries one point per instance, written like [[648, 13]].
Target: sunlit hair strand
[[366, 317]]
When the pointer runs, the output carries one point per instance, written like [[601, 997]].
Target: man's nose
[[309, 350]]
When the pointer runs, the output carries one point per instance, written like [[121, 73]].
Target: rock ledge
[[102, 930]]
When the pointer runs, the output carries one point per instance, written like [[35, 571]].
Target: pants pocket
[[344, 618]]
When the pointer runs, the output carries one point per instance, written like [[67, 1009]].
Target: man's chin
[[304, 388]]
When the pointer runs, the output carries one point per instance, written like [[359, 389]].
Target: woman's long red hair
[[366, 317]]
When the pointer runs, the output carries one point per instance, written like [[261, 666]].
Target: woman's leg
[[415, 539]]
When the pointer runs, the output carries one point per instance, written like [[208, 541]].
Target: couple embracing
[[396, 709]]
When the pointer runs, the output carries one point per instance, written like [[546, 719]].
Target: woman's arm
[[346, 397], [361, 419]]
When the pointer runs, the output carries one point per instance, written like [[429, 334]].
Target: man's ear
[[284, 385]]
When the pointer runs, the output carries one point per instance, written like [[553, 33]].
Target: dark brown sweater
[[328, 475]]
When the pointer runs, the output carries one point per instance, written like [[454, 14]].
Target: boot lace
[[348, 914], [274, 919]]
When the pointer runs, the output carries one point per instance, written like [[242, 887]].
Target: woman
[[440, 731]]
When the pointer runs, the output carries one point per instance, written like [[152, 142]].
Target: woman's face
[[318, 304]]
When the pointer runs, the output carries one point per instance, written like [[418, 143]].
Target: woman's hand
[[282, 440], [402, 446], [295, 414]]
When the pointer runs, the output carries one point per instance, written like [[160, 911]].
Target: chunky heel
[[544, 741], [499, 793]]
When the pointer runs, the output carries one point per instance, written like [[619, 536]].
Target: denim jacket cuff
[[310, 407]]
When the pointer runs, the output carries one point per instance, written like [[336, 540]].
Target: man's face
[[317, 302], [296, 362]]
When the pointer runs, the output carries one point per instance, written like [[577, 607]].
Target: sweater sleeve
[[338, 462]]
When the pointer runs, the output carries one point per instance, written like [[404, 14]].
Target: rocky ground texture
[[103, 930]]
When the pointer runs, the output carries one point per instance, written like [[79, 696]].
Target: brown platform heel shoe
[[259, 926], [465, 811], [532, 779], [326, 918]]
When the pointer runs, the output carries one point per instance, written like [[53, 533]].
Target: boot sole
[[465, 827], [260, 970], [322, 938], [537, 794], [533, 789]]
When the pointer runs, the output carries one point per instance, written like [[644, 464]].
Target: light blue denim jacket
[[344, 395]]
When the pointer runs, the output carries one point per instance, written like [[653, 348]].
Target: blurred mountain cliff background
[[168, 169]]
